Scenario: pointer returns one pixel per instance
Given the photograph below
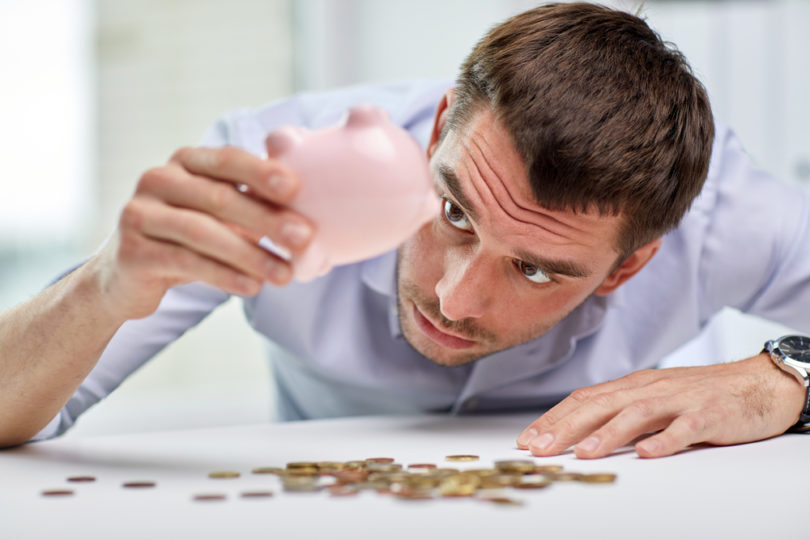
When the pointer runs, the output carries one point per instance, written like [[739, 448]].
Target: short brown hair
[[605, 114]]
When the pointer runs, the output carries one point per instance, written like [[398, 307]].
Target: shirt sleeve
[[756, 254]]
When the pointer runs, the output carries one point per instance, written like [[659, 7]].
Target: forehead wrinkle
[[519, 213]]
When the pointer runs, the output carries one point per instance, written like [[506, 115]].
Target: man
[[570, 150]]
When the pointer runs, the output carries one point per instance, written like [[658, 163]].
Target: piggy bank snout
[[367, 115], [283, 140]]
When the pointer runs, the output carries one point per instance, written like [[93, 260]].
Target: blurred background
[[97, 91]]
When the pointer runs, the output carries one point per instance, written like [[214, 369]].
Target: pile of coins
[[423, 481], [417, 481]]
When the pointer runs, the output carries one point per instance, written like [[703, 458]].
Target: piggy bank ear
[[283, 140], [367, 115]]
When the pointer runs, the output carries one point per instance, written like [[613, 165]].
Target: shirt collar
[[380, 275]]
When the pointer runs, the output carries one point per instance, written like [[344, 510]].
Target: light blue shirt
[[744, 244]]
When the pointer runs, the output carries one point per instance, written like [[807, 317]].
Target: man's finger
[[581, 396], [253, 216], [638, 418], [206, 236], [266, 178], [685, 430]]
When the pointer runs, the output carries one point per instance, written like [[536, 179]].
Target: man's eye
[[531, 272], [456, 216]]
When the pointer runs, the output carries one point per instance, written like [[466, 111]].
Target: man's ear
[[628, 268], [440, 120]]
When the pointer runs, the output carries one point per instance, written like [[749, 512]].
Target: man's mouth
[[439, 336]]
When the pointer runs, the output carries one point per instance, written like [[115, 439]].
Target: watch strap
[[803, 425]]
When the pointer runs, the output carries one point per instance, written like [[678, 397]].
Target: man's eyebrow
[[453, 185], [551, 266]]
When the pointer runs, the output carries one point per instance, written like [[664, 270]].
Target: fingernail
[[650, 446], [589, 444], [526, 436], [278, 184], [543, 441], [277, 272], [296, 234]]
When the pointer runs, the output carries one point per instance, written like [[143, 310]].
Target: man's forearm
[[48, 345]]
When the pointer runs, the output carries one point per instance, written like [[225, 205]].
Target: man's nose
[[464, 288]]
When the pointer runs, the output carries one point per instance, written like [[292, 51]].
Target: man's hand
[[199, 218], [720, 404]]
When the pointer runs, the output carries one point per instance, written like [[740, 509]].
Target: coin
[[421, 466], [223, 474], [542, 469], [139, 484], [460, 485], [209, 497], [342, 490], [269, 470], [383, 467], [302, 465], [57, 492], [78, 479], [300, 484], [302, 471], [565, 477], [461, 457], [380, 460], [350, 476], [256, 494], [598, 478], [520, 466]]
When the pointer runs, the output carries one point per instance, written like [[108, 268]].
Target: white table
[[745, 491]]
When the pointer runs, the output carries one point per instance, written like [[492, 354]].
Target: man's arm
[[187, 222]]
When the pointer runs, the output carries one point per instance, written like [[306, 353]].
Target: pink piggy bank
[[364, 183]]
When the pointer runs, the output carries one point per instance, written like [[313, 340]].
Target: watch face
[[796, 347]]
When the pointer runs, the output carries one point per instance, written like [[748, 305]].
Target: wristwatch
[[792, 354]]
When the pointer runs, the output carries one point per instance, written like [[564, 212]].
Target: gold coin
[[302, 465], [139, 484], [354, 465], [209, 497], [520, 466], [82, 479], [300, 484], [460, 485], [532, 484], [422, 466], [336, 465], [269, 470], [542, 469], [565, 477], [499, 480], [373, 466], [461, 457], [302, 471], [598, 478], [57, 492], [223, 474]]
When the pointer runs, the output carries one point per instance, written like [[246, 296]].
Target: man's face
[[494, 269]]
